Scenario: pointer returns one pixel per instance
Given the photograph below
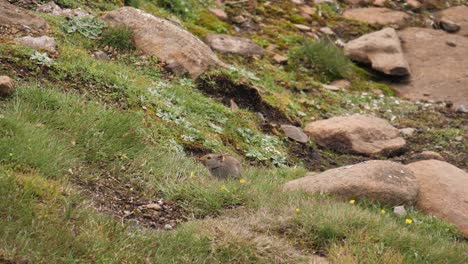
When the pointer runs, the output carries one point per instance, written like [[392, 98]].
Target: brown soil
[[245, 96], [123, 201]]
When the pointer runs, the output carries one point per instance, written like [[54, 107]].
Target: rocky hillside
[[343, 129]]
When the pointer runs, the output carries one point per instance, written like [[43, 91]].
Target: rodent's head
[[212, 161]]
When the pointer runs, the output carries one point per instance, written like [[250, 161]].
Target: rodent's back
[[230, 167]]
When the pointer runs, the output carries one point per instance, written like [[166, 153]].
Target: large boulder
[[178, 48], [438, 71], [387, 182], [39, 43], [381, 49], [14, 20], [230, 44], [457, 15], [377, 15], [443, 191], [356, 134]]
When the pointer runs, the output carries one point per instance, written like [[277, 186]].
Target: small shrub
[[119, 37], [182, 8], [324, 59], [87, 26]]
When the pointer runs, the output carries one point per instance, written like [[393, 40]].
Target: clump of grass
[[119, 37], [325, 60]]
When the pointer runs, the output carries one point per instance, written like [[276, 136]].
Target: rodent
[[222, 166]]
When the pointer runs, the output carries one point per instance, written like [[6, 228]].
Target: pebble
[[399, 210]]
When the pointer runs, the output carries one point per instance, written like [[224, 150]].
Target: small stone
[[302, 27], [462, 109], [327, 31], [295, 133], [458, 138], [280, 59], [40, 43], [408, 132], [449, 26], [399, 211], [101, 55], [219, 13], [6, 86], [342, 84], [239, 19], [167, 227], [230, 44], [451, 43], [307, 10], [331, 87], [153, 206], [428, 155], [379, 3], [414, 4]]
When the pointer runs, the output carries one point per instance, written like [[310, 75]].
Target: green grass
[[79, 122], [118, 37], [323, 59]]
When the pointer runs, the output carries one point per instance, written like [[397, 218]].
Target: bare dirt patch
[[125, 202]]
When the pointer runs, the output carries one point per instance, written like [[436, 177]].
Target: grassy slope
[[81, 120]]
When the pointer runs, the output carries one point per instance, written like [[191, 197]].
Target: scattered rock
[[167, 227], [438, 72], [382, 49], [457, 15], [379, 3], [399, 210], [231, 44], [302, 27], [280, 59], [449, 26], [458, 138], [443, 191], [239, 19], [219, 13], [428, 155], [6, 86], [378, 15], [327, 31], [295, 133], [408, 131], [14, 19], [307, 10], [331, 87], [462, 109], [451, 43], [358, 134], [341, 84], [414, 4], [101, 55], [39, 43], [54, 9], [179, 49], [387, 182], [153, 206]]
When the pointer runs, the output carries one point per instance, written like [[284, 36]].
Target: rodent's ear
[[221, 158]]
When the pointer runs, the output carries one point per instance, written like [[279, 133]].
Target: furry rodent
[[222, 166]]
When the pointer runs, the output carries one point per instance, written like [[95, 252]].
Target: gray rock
[[408, 131], [399, 210], [428, 155], [39, 43], [230, 44], [101, 55], [449, 26], [54, 9], [179, 49], [387, 182], [382, 49], [295, 133]]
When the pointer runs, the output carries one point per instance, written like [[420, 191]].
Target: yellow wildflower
[[192, 175], [383, 211], [298, 210], [242, 181], [223, 188], [352, 201], [11, 154], [408, 221]]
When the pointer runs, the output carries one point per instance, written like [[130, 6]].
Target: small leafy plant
[[41, 58], [87, 26]]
